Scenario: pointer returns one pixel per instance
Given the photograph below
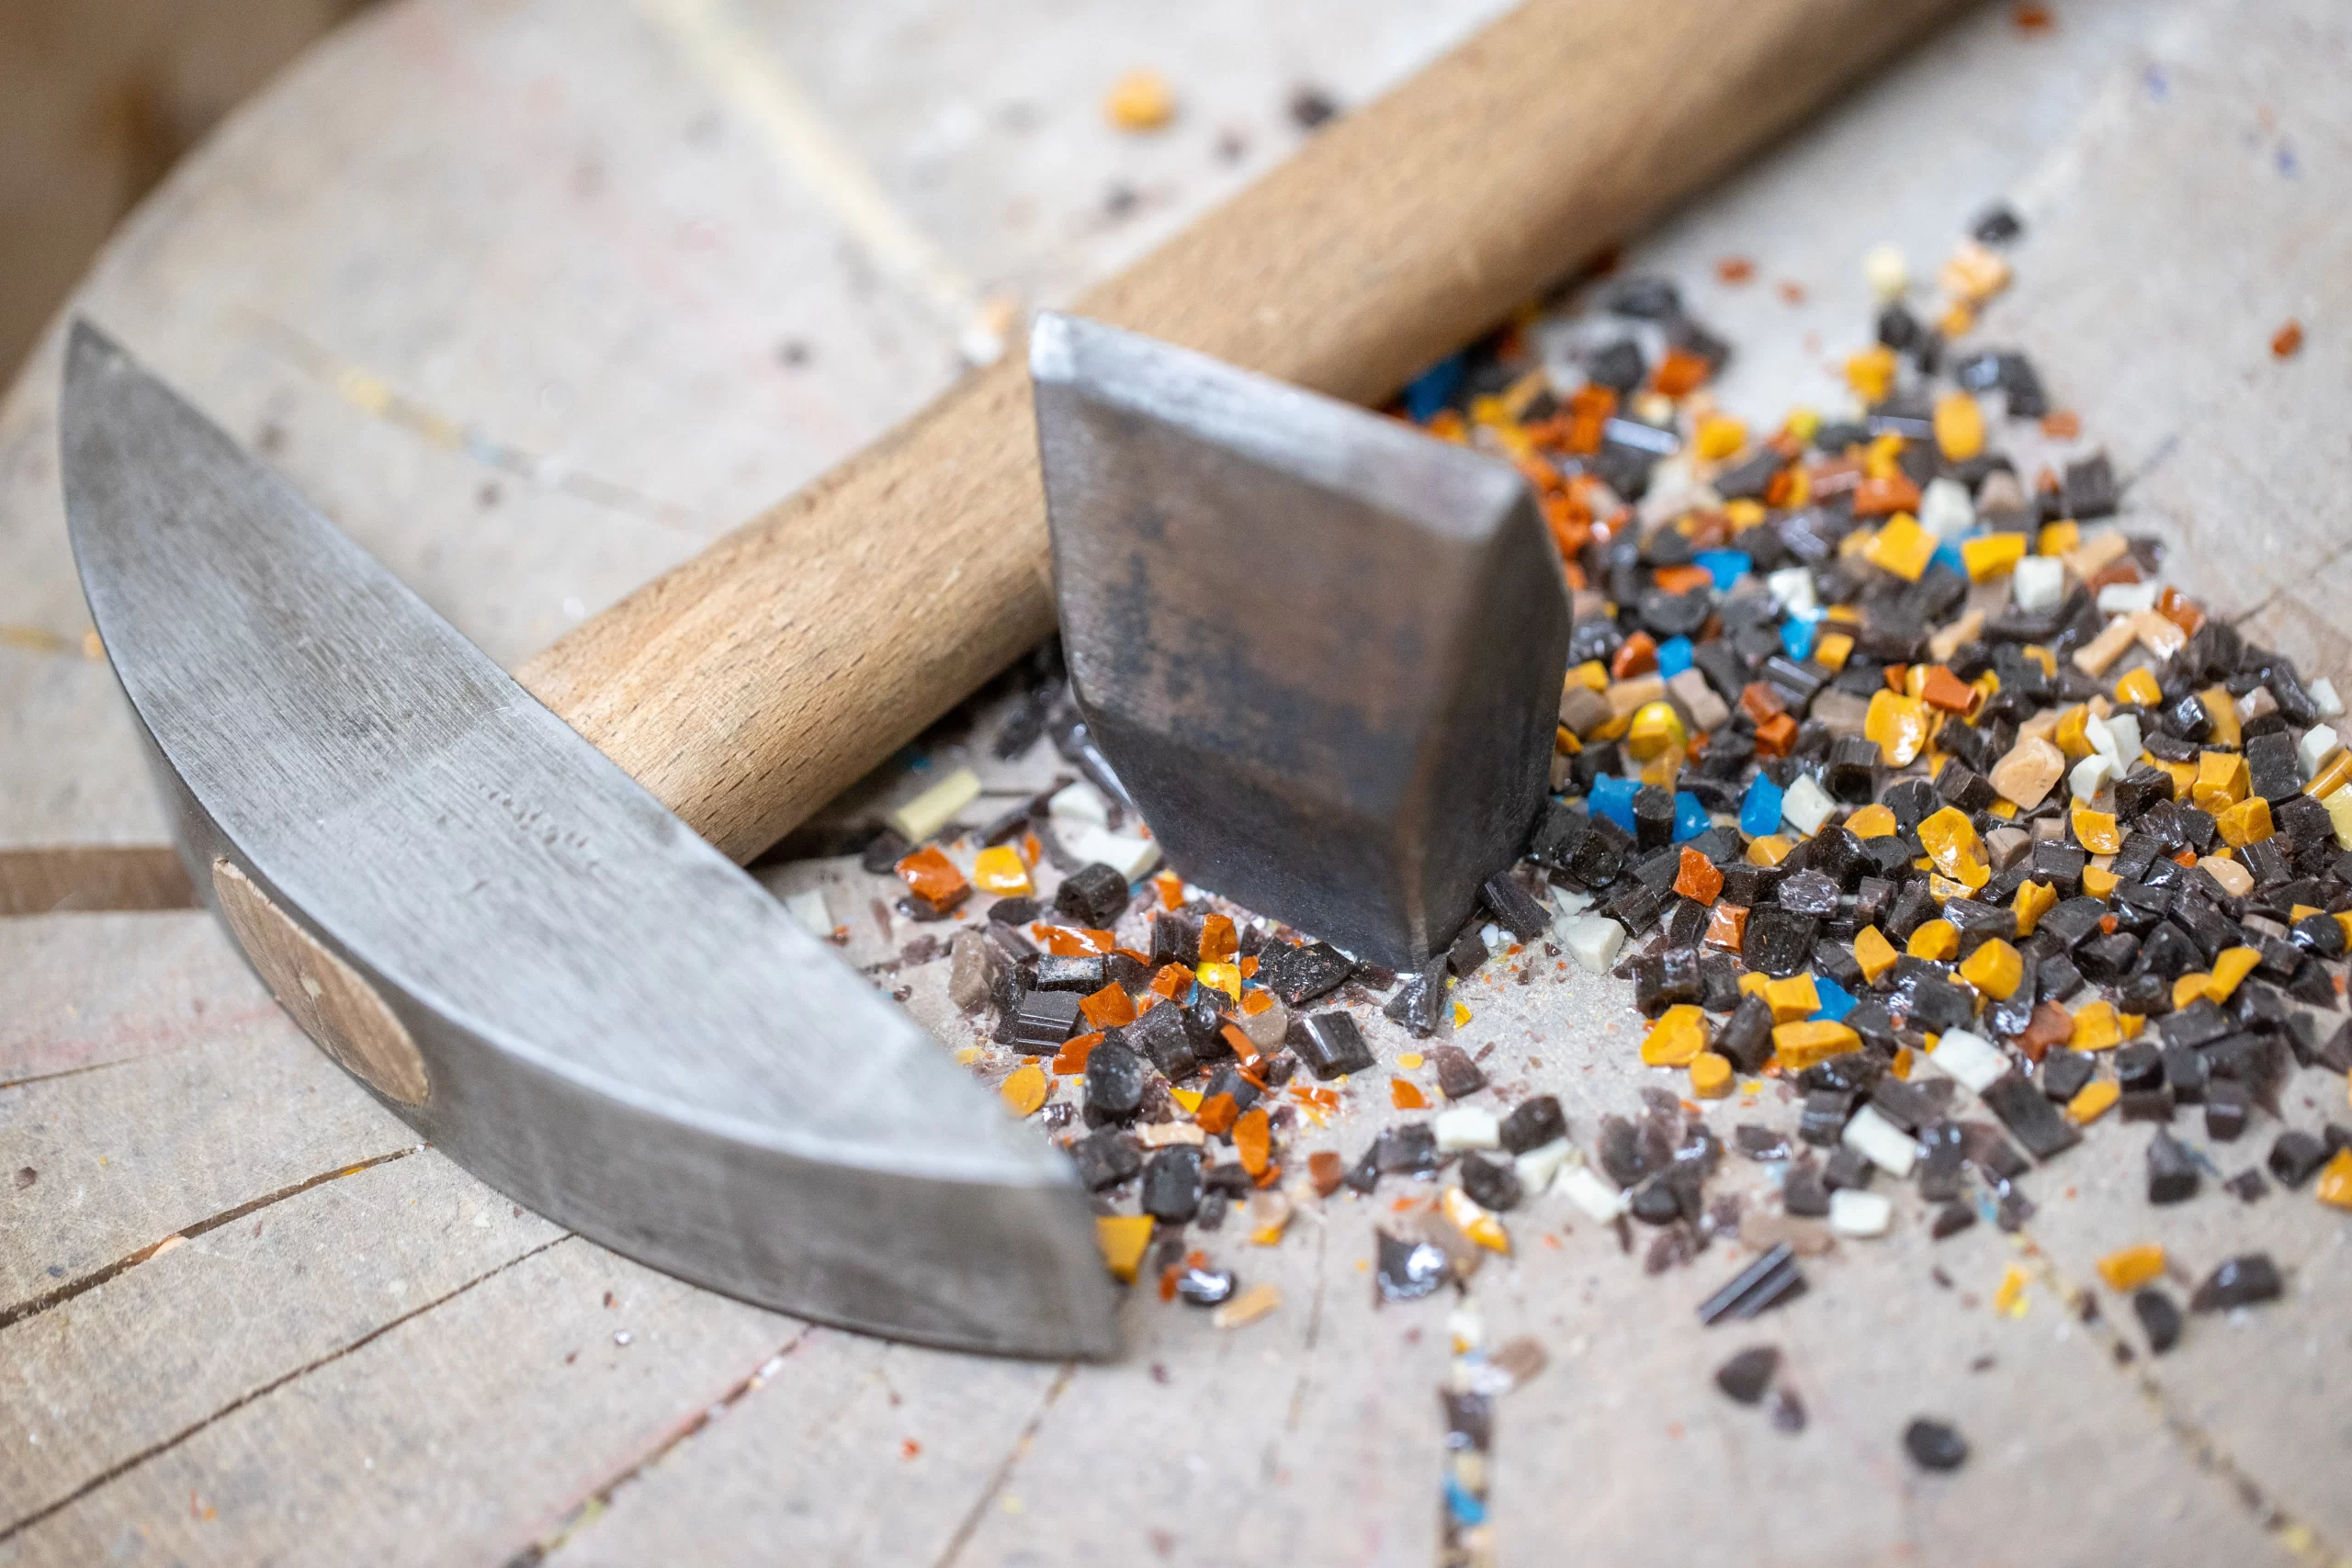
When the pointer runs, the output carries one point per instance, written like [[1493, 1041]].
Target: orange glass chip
[[1944, 690], [1074, 941], [1680, 373], [1881, 497], [1776, 736], [1637, 655], [931, 876], [1252, 1139], [1071, 1059], [1698, 878], [1760, 702], [1109, 1007], [1218, 941]]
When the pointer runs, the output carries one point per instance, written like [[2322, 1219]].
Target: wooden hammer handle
[[749, 685]]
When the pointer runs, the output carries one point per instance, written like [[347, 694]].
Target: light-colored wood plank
[[1626, 1442], [81, 991], [456, 1433], [108, 1387], [129, 1154], [137, 1366], [1314, 1429], [2210, 186], [855, 1452], [1970, 117], [2264, 1396], [131, 1365], [1011, 160], [71, 752]]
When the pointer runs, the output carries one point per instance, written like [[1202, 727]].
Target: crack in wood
[[970, 1524], [2163, 453], [2267, 600], [32, 1078], [116, 1472], [593, 1508], [11, 1315], [146, 1040]]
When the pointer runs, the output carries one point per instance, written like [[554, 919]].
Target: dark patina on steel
[[1324, 652]]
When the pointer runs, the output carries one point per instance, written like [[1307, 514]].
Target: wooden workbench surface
[[534, 298]]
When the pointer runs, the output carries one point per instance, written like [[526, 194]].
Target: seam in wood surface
[[1314, 1330], [372, 395], [592, 1507], [747, 76], [116, 1472], [2163, 453], [49, 879], [2313, 571], [971, 1523], [2201, 1447], [11, 1315]]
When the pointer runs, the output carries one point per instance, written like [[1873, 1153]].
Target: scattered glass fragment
[[1203, 1287], [1406, 1269], [1748, 1373], [1251, 1304], [2132, 1266], [1140, 101], [2244, 1280], [1767, 1282], [1934, 1445], [2159, 1318]]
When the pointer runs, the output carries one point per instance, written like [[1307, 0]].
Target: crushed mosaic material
[[1933, 834]]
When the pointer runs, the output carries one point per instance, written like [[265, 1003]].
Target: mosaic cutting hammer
[[509, 907]]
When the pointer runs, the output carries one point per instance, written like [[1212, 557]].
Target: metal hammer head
[[1323, 651], [517, 948]]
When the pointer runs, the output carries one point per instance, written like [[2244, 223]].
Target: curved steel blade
[[616, 1025]]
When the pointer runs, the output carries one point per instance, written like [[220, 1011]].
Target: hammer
[[538, 951]]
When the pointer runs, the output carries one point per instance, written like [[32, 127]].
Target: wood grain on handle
[[749, 685]]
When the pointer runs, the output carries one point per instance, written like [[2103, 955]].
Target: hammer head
[[1323, 651], [516, 948]]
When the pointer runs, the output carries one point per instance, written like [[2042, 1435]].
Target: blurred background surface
[[96, 103]]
